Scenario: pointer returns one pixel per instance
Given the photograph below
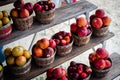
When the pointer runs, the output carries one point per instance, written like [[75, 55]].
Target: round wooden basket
[[100, 32], [23, 23], [19, 71], [45, 17], [5, 31], [79, 41]]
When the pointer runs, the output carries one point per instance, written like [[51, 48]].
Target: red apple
[[88, 70], [67, 38], [82, 31], [73, 27], [81, 21], [92, 17], [100, 13], [68, 34], [29, 7], [51, 6], [24, 13], [57, 41], [64, 73], [75, 75], [102, 53], [37, 7], [43, 43], [18, 4], [97, 22], [57, 73], [80, 68], [92, 57], [63, 42], [100, 64], [37, 52], [63, 78], [48, 52], [108, 64], [106, 20], [49, 72], [83, 75], [52, 43]]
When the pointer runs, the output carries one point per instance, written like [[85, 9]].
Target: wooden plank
[[115, 70], [35, 71], [61, 14], [5, 2]]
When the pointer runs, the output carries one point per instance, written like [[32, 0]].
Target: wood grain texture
[[61, 14], [35, 71], [5, 2]]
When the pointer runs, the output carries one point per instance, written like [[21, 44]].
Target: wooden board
[[5, 2], [61, 14], [35, 71]]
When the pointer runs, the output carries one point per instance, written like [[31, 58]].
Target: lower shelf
[[35, 70]]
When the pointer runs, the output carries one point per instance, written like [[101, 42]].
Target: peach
[[97, 22], [100, 13], [92, 57], [27, 54], [67, 38], [14, 13], [81, 22], [37, 52], [73, 27], [82, 31], [102, 53], [43, 43], [20, 61], [108, 64], [106, 20], [57, 73], [48, 52], [63, 42], [52, 43], [100, 64], [24, 13]]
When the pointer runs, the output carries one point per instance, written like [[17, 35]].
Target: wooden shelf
[[5, 2], [61, 14], [35, 70]]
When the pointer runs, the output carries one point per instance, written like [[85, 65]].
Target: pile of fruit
[[99, 19], [62, 38], [56, 74], [4, 18], [100, 59], [44, 6], [81, 28], [18, 56], [44, 48], [78, 71], [21, 10]]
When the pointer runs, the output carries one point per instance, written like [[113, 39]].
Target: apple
[[88, 70], [73, 63], [52, 43], [80, 68], [49, 72], [29, 7], [14, 13], [57, 73], [100, 13], [92, 17], [67, 38], [97, 22], [38, 52], [18, 4], [102, 53], [73, 27], [82, 31], [75, 75], [64, 73], [48, 52], [106, 20], [43, 43], [24, 13], [108, 64], [63, 42], [92, 57], [20, 60], [57, 41], [37, 7], [81, 22], [83, 75], [100, 64], [63, 78]]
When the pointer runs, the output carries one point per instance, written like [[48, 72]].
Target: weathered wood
[[35, 71], [5, 2], [115, 70], [61, 14]]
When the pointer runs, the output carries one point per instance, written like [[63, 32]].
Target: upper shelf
[[5, 2], [61, 14]]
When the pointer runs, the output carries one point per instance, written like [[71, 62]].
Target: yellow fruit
[[1, 67], [20, 61], [17, 51], [27, 54], [8, 51], [5, 20], [1, 24], [1, 15], [10, 60], [5, 13]]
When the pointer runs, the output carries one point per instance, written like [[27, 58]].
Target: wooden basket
[[23, 23], [5, 31], [65, 50], [45, 17], [100, 32], [19, 71], [79, 41]]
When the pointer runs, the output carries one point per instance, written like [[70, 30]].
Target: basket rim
[[5, 26]]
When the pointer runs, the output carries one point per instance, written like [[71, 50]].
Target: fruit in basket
[[92, 57], [1, 15], [51, 6], [18, 4], [57, 73], [100, 64], [108, 64], [43, 43], [5, 20], [83, 75], [24, 13], [5, 13], [1, 68], [49, 72], [14, 13], [63, 42], [67, 39], [63, 78], [21, 60], [52, 43], [8, 51], [106, 20], [27, 54], [100, 13], [48, 52], [81, 21], [102, 53], [97, 22], [37, 7], [10, 60], [17, 51], [82, 31], [38, 52], [73, 27], [1, 24], [29, 7]]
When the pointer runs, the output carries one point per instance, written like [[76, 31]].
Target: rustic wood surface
[[5, 2], [61, 14], [35, 71]]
